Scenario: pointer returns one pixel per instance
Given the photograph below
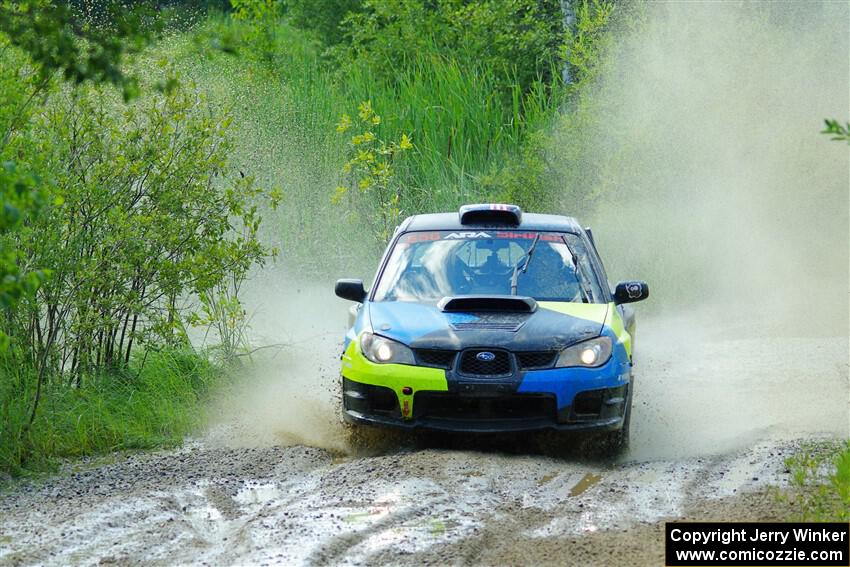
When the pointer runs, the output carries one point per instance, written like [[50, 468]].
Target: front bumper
[[485, 410]]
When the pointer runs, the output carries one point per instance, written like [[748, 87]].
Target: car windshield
[[427, 266]]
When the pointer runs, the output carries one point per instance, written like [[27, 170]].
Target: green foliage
[[57, 40], [370, 168], [153, 402], [525, 180], [453, 76], [122, 212], [20, 197], [461, 119], [519, 40], [150, 214], [838, 131], [585, 46], [262, 17], [549, 171], [53, 40], [323, 17], [222, 312], [21, 201], [474, 83], [820, 484]]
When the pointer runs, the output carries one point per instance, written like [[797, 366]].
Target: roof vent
[[490, 214]]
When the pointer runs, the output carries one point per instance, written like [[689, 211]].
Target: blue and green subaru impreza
[[491, 320]]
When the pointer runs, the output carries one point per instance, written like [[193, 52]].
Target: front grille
[[437, 358], [471, 364], [532, 360], [444, 405]]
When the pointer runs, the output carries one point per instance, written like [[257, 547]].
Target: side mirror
[[630, 291], [351, 290]]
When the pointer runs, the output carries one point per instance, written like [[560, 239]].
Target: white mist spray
[[721, 192]]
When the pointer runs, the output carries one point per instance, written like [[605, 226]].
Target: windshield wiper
[[583, 286], [517, 269]]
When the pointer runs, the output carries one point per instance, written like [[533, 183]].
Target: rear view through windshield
[[427, 266]]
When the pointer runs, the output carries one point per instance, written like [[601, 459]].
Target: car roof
[[451, 221]]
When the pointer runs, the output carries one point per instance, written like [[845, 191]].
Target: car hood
[[554, 325]]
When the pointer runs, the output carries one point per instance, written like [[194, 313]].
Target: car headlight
[[384, 351], [591, 354]]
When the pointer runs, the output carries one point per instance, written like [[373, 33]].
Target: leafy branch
[[369, 169], [838, 131]]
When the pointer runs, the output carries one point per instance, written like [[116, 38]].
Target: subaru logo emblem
[[485, 356]]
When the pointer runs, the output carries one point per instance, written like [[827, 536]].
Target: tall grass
[[153, 403], [463, 121]]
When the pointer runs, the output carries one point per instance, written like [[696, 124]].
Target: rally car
[[491, 320]]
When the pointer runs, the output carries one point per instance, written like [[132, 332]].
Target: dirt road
[[714, 419], [300, 505]]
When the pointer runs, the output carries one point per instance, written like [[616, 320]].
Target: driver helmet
[[493, 263]]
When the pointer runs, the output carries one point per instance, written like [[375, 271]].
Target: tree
[[146, 214], [51, 41]]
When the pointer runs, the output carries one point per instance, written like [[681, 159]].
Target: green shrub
[[123, 213], [146, 213], [324, 18], [370, 169], [820, 484]]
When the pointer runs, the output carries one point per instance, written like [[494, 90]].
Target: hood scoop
[[487, 303]]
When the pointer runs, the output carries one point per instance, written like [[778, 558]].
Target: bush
[[150, 214], [820, 484], [323, 17], [124, 213]]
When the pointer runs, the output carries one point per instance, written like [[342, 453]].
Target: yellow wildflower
[[381, 170], [340, 192], [365, 183], [405, 143], [365, 109], [365, 157], [344, 123], [364, 138]]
